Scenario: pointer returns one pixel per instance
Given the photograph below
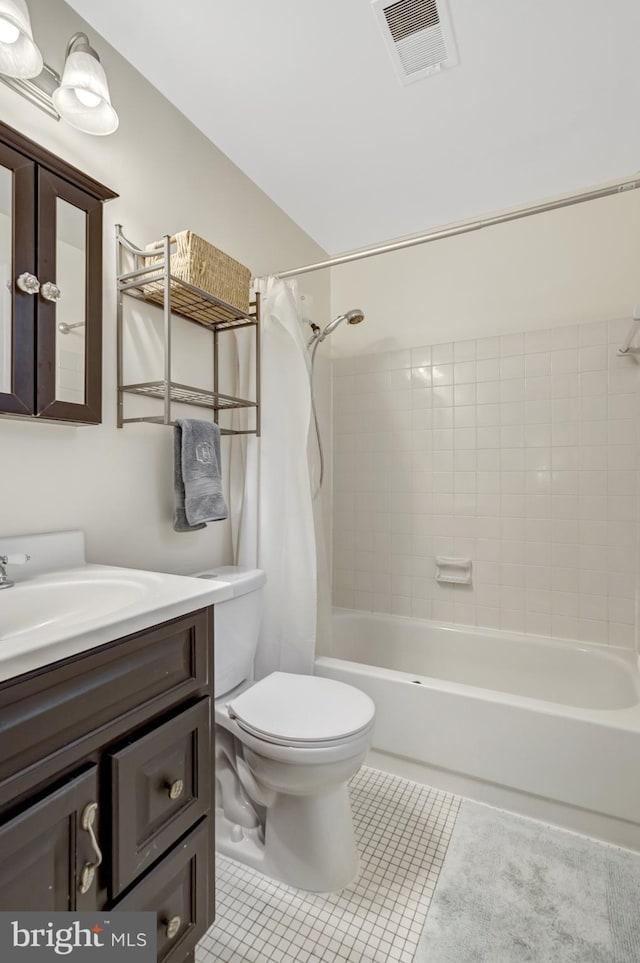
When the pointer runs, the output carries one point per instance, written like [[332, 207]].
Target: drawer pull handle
[[89, 869], [176, 789], [173, 925]]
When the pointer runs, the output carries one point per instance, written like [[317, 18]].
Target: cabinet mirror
[[6, 275], [71, 319]]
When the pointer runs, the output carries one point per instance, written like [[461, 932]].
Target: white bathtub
[[542, 727]]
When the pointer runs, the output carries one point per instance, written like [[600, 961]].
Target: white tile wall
[[520, 452]]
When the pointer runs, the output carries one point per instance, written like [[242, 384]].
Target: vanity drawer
[[113, 688], [160, 786], [177, 890]]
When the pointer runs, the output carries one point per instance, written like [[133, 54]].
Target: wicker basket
[[199, 263]]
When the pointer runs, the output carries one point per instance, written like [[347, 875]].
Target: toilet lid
[[302, 709]]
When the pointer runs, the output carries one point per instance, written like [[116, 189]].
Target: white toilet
[[285, 748]]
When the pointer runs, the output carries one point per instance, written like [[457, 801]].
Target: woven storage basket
[[206, 267]]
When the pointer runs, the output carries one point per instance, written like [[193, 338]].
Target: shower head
[[355, 316]]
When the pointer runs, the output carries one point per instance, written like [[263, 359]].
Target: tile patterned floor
[[403, 830]]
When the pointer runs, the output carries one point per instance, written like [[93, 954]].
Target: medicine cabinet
[[50, 285]]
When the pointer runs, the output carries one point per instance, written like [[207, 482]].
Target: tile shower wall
[[519, 452]]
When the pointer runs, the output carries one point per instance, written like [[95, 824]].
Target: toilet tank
[[236, 625]]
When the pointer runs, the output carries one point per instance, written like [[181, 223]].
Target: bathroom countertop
[[57, 614]]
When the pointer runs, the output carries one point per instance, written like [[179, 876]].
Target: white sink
[[61, 606], [67, 598]]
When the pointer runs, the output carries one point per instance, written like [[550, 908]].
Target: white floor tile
[[403, 830]]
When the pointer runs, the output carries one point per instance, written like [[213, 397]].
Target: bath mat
[[517, 891]]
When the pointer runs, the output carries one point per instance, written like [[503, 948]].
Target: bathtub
[[541, 727]]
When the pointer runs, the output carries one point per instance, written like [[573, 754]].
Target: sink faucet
[[5, 581]]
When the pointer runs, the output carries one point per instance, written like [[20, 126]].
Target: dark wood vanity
[[51, 273], [110, 753]]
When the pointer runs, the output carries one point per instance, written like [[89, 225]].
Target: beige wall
[[117, 484], [570, 266]]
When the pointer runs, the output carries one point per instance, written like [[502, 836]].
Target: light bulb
[[86, 97], [9, 33]]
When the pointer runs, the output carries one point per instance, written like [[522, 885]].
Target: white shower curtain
[[272, 511]]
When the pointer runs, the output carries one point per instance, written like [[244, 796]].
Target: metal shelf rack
[[193, 304]]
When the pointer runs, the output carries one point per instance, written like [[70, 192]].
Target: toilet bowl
[[286, 747]]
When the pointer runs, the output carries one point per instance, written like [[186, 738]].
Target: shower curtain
[[272, 506]]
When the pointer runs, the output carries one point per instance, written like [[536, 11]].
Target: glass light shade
[[82, 99], [19, 56]]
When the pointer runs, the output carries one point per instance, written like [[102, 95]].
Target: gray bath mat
[[516, 891]]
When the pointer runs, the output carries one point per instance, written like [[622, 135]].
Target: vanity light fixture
[[19, 56], [82, 99], [80, 96]]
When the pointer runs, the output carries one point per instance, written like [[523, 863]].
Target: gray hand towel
[[198, 480], [180, 523]]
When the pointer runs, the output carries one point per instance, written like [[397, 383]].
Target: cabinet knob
[[88, 873], [50, 292], [28, 283], [173, 925], [176, 789]]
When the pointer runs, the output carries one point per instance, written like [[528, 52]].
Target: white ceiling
[[303, 97]]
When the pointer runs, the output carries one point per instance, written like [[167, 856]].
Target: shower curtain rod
[[466, 227]]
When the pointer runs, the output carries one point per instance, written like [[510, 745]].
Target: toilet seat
[[302, 711]]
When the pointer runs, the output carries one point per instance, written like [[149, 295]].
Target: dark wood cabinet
[[44, 849], [123, 732], [51, 270]]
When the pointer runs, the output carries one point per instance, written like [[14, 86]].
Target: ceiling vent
[[419, 36]]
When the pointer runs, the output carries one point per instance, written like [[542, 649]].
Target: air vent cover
[[419, 36]]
